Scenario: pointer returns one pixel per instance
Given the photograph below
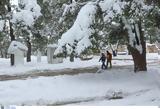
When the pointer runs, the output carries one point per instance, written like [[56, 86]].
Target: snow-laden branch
[[111, 8], [28, 14], [133, 32], [68, 8], [81, 29]]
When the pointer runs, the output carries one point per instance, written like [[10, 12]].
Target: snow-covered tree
[[81, 30], [32, 10], [131, 14], [23, 14]]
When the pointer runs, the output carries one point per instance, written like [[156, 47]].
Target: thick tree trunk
[[29, 50], [139, 59]]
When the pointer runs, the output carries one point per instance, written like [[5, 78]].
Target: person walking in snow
[[103, 60], [109, 59]]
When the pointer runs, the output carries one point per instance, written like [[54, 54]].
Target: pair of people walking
[[103, 58]]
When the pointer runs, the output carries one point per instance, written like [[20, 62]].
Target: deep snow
[[141, 88], [137, 89]]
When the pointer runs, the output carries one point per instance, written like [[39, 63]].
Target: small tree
[[24, 15]]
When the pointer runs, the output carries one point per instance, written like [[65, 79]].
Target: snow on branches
[[69, 9], [133, 34], [111, 8], [27, 12], [80, 31]]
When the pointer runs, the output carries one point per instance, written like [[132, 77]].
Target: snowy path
[[67, 71], [46, 73]]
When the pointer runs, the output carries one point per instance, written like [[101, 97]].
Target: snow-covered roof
[[52, 46], [15, 46]]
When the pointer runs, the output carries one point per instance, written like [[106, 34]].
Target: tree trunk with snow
[[139, 58]]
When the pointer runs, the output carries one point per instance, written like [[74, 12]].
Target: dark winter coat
[[109, 56], [102, 58]]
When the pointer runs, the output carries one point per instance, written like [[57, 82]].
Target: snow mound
[[16, 46]]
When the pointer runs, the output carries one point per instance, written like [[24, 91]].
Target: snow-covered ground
[[141, 88], [136, 89], [6, 69]]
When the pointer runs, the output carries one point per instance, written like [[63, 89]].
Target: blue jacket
[[103, 58]]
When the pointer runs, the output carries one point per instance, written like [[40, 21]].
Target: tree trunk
[[29, 50], [72, 57], [6, 55], [1, 54], [150, 39], [139, 59], [12, 39], [11, 35]]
